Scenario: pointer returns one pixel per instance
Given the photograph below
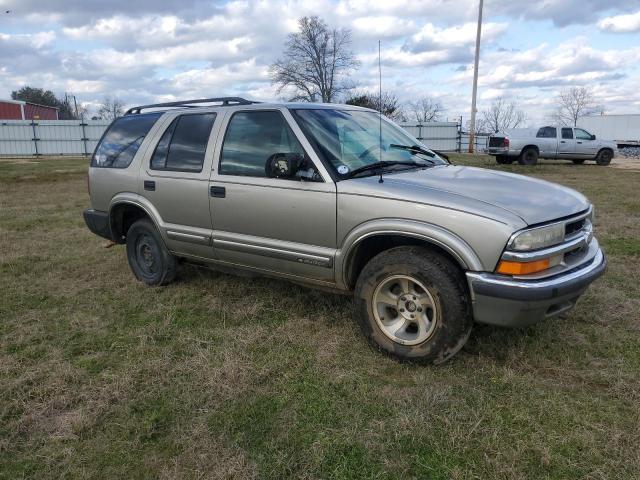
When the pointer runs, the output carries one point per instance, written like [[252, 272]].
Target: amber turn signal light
[[522, 268]]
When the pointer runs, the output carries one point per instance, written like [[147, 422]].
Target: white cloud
[[621, 23]]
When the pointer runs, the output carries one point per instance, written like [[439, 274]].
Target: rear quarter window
[[122, 140]]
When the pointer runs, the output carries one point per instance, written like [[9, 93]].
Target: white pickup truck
[[553, 142]]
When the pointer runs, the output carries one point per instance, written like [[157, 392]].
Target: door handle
[[562, 141], [219, 192], [150, 185], [579, 142]]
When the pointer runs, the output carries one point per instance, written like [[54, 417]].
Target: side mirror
[[593, 137], [283, 165]]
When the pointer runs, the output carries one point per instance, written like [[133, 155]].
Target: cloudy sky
[[151, 50]]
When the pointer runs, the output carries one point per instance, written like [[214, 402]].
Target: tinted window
[[183, 144], [547, 132], [122, 140], [582, 134], [567, 133], [251, 138]]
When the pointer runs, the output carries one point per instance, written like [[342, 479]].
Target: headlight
[[538, 238]]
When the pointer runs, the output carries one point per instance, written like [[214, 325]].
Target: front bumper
[[500, 300]]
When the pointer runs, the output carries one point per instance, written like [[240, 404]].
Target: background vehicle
[[552, 142], [336, 197]]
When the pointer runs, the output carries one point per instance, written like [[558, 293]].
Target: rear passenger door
[[275, 224], [567, 144], [175, 177], [547, 141]]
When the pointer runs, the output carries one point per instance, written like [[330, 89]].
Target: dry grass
[[101, 377]]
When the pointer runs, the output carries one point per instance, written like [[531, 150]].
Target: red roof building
[[19, 110]]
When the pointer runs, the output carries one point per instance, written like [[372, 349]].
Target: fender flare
[[460, 250], [130, 198]]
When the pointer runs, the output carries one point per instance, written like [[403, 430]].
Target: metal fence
[[445, 136], [73, 137], [50, 137]]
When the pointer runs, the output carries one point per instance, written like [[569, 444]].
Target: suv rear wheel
[[413, 304], [149, 259]]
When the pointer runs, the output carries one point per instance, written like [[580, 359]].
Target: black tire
[[149, 259], [529, 156], [452, 320], [577, 162], [604, 157]]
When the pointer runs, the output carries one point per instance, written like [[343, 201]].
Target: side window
[[547, 132], [183, 144], [122, 140], [253, 138], [567, 133], [582, 134]]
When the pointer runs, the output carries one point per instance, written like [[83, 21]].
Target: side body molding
[[449, 241]]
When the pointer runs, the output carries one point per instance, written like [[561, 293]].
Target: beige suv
[[338, 197]]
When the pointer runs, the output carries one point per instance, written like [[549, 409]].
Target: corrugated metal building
[[19, 110]]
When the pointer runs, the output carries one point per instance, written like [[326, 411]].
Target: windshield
[[350, 139]]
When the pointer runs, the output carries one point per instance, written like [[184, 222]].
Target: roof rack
[[225, 101]]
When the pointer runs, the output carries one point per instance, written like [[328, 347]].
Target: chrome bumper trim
[[499, 286]]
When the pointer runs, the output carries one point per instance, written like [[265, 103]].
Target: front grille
[[496, 141], [574, 227]]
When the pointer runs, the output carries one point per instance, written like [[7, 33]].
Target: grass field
[[218, 376]]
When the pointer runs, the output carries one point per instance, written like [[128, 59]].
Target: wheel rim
[[605, 157], [530, 156], [404, 310], [147, 255]]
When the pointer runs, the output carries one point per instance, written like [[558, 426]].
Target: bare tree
[[388, 104], [425, 109], [315, 61], [574, 103], [110, 108], [502, 114]]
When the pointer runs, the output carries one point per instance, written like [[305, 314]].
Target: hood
[[532, 200]]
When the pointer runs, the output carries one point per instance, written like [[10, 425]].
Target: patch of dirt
[[626, 163]]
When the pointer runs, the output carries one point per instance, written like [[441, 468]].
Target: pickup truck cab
[[338, 197], [551, 142]]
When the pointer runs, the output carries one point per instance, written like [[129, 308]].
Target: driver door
[[586, 147], [283, 225]]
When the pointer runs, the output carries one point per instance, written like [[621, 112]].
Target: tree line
[[317, 66]]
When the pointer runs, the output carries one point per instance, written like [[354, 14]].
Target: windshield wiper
[[383, 164], [413, 148]]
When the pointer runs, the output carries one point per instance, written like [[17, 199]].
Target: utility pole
[[472, 127]]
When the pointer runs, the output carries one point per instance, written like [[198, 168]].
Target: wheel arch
[[602, 149], [125, 209], [531, 145], [366, 241]]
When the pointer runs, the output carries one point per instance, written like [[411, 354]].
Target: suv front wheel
[[149, 259], [413, 304]]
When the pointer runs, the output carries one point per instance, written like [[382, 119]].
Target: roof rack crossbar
[[226, 101]]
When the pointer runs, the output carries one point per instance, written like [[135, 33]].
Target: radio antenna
[[380, 180]]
